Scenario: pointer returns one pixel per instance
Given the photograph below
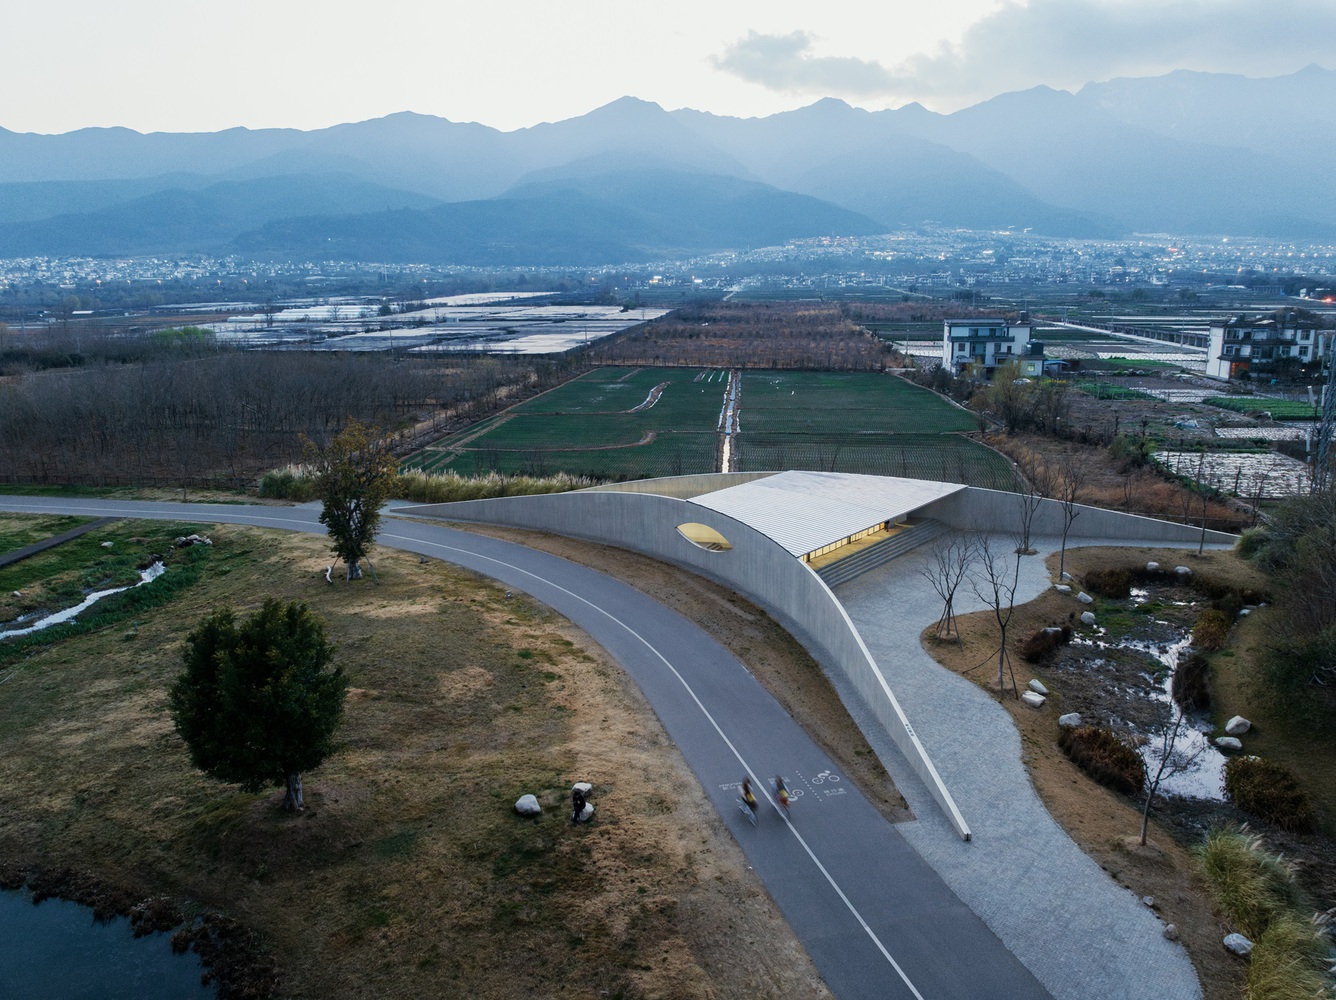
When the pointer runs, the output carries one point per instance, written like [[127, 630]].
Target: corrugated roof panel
[[803, 511]]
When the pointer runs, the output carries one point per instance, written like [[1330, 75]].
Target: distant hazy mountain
[[631, 215], [1188, 153], [207, 219]]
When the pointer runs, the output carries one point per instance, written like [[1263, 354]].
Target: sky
[[191, 65]]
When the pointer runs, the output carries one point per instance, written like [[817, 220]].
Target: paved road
[[875, 918]]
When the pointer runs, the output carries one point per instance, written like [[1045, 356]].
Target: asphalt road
[[875, 918]]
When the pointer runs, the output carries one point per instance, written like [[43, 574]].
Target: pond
[[56, 950]]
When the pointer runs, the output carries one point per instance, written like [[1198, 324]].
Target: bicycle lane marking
[[830, 879]]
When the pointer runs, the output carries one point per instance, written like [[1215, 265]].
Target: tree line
[[222, 418]]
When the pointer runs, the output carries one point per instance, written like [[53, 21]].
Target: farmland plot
[[778, 402], [943, 458], [1261, 474]]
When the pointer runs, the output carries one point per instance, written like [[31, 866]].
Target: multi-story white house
[[1265, 346], [981, 344]]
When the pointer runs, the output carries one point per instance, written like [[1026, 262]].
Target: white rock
[[527, 805], [1067, 576], [1228, 743], [1151, 567], [106, 545], [1069, 721], [1245, 612], [1062, 588], [1148, 901], [1087, 617], [1032, 699], [1237, 726], [1171, 932], [1238, 944], [588, 812], [1085, 598], [584, 786], [1183, 570], [1037, 687]]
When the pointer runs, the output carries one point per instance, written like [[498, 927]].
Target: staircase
[[858, 563]]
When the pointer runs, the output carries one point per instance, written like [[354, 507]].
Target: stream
[[145, 576]]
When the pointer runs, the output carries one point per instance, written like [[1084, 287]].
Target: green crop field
[[944, 458], [1103, 390], [775, 402], [837, 421], [1280, 409]]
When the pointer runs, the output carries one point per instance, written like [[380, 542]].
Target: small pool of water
[[57, 951]]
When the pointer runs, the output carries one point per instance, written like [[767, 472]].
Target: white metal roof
[[803, 511]]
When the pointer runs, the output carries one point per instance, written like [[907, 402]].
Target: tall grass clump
[[1254, 888], [1258, 893], [1286, 962], [448, 487], [293, 482], [1105, 757]]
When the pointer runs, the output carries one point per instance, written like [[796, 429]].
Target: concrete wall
[[756, 567], [976, 509]]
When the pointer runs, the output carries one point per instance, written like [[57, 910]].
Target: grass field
[[409, 874], [1280, 409], [1103, 390], [855, 422]]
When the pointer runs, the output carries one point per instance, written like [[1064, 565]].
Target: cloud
[[786, 63], [1061, 43]]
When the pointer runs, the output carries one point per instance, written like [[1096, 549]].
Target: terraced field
[[618, 423]]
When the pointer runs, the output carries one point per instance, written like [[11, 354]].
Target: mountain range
[[1185, 153]]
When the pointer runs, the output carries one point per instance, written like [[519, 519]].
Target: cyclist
[[781, 793], [748, 796]]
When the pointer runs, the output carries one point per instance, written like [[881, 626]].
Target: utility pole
[[1322, 464]]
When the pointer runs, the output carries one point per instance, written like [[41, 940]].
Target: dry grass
[[409, 875]]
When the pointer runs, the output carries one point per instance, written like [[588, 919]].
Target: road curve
[[877, 921]]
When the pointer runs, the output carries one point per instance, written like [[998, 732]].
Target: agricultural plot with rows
[[618, 423], [1280, 409]]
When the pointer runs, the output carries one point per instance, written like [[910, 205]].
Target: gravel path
[[1084, 936]]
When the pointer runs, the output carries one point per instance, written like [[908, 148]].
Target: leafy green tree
[[257, 703], [353, 477]]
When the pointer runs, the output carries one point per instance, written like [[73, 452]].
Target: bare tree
[[995, 583], [1174, 758], [1028, 502], [946, 568], [1073, 471]]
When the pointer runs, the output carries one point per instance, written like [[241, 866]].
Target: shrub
[[1105, 757], [1042, 644], [1251, 542], [1269, 791], [1286, 962], [291, 483], [1211, 630], [1190, 688], [1112, 583]]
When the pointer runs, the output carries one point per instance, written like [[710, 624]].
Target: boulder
[[1037, 687], [106, 545], [587, 814], [527, 805], [1182, 570], [1062, 588], [1151, 567], [1085, 598], [584, 786], [1148, 901], [1227, 743], [1238, 944], [1087, 617], [1070, 721], [1237, 726], [1067, 576], [1032, 699], [1171, 932]]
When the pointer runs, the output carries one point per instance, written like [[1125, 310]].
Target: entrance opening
[[704, 537]]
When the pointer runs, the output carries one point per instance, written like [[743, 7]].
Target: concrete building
[[1266, 346], [981, 344]]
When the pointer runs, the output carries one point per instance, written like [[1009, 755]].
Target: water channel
[[145, 576]]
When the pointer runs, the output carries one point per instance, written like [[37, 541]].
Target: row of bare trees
[[226, 416]]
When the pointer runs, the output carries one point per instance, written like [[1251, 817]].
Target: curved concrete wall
[[756, 567], [976, 509]]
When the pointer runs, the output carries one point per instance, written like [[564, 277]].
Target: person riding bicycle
[[781, 792], [748, 796]]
